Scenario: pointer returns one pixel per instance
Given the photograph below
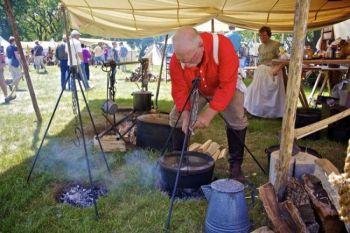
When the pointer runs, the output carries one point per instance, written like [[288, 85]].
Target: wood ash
[[81, 196]]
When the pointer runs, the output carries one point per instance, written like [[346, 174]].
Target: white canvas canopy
[[142, 18]]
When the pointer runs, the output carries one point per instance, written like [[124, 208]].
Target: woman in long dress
[[265, 95]]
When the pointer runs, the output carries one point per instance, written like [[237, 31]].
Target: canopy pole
[[161, 68], [12, 22], [212, 26], [293, 88]]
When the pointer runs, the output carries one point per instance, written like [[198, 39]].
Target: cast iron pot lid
[[156, 118], [193, 162]]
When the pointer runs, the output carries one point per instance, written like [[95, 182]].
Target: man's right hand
[[185, 120]]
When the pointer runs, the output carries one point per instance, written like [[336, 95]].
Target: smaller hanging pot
[[142, 101]]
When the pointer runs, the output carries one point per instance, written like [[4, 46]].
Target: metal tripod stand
[[74, 76], [193, 96]]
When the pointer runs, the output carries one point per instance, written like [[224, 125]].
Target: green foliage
[[34, 19]]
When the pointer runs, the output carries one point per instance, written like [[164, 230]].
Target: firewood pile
[[318, 201], [211, 148], [306, 207]]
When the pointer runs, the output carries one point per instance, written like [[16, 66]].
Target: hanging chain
[[77, 129], [112, 88]]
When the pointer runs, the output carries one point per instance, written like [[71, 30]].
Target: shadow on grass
[[32, 207]]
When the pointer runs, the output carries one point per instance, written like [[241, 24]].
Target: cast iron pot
[[153, 131], [197, 170], [142, 101]]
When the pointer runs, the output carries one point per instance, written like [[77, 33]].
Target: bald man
[[214, 61]]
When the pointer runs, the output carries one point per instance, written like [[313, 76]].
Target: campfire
[[81, 195]]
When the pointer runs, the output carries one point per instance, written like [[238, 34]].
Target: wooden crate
[[110, 144]]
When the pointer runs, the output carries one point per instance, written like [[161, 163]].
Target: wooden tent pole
[[12, 22], [212, 26], [161, 69], [293, 88]]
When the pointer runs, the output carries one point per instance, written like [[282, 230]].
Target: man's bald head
[[188, 46], [186, 39]]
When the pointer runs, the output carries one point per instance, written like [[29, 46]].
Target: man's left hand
[[205, 118]]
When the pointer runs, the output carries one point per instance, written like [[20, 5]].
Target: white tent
[[27, 45], [154, 55], [4, 42]]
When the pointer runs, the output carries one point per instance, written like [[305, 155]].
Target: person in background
[[15, 68], [62, 57], [86, 60], [216, 64], [235, 38], [123, 53], [75, 61], [2, 77], [113, 56], [98, 51], [39, 57], [105, 52], [265, 95]]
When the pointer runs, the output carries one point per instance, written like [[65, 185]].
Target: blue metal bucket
[[227, 210]]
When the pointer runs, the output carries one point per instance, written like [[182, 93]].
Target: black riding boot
[[236, 139], [178, 139]]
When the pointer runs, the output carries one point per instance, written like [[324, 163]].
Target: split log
[[194, 146], [296, 193], [216, 155], [327, 166], [205, 146], [223, 153], [213, 147], [281, 216], [325, 210], [292, 215]]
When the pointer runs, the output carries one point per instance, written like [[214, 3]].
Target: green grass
[[133, 204]]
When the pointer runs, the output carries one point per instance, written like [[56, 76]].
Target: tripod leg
[[83, 135], [47, 129], [94, 126], [245, 146]]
